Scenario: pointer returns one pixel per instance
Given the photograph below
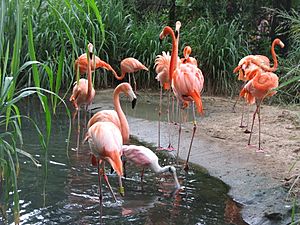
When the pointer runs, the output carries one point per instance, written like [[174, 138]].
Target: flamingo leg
[[234, 105], [242, 118], [159, 119], [170, 147], [78, 130], [246, 130], [142, 179], [186, 166], [259, 135], [179, 135], [134, 82], [99, 185], [249, 141], [107, 182]]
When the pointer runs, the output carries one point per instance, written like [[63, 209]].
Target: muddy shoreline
[[256, 179]]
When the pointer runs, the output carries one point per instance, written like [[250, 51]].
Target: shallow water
[[72, 189]]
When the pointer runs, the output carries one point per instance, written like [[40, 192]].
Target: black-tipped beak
[[176, 34], [160, 41], [91, 55], [133, 103]]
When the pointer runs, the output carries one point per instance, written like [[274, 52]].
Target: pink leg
[[170, 147], [179, 135], [107, 182], [256, 110], [186, 167], [259, 146], [159, 119]]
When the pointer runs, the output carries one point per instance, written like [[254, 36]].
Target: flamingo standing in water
[[255, 91], [116, 116], [253, 62], [145, 158], [187, 83], [105, 141]]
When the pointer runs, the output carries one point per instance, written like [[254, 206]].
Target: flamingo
[[146, 158], [130, 65], [187, 83], [255, 91], [105, 141], [162, 68], [187, 59], [116, 116], [252, 62], [81, 63]]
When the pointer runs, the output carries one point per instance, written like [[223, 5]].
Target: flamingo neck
[[174, 54], [121, 115], [89, 77], [119, 77], [274, 57]]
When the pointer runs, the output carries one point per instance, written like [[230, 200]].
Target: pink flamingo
[[253, 62], [145, 158], [187, 83], [116, 116], [105, 141], [187, 59], [130, 65], [81, 63], [256, 90], [162, 68]]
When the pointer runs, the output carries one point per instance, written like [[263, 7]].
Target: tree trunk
[[281, 5]]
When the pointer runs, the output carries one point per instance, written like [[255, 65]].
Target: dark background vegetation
[[219, 32]]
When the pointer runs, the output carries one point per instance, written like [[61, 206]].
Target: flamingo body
[[105, 141], [188, 83], [130, 65], [145, 158], [116, 116]]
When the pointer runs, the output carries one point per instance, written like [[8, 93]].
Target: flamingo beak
[[133, 103]]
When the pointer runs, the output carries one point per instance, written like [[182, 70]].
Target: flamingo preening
[[256, 62], [187, 82], [255, 91]]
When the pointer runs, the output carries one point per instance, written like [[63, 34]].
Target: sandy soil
[[258, 180]]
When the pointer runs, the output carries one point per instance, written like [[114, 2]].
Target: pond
[[71, 190]]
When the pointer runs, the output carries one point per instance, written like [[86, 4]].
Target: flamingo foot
[[186, 167], [259, 150], [242, 126], [247, 131], [170, 148], [160, 148]]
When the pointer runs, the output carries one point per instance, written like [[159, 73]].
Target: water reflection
[[72, 190]]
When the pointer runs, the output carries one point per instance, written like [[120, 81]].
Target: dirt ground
[[280, 134], [258, 180]]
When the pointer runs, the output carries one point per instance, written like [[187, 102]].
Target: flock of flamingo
[[108, 130]]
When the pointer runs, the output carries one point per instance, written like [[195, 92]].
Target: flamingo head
[[127, 89], [165, 32], [90, 49], [177, 28], [187, 51], [277, 41]]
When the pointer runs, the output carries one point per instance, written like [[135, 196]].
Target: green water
[[72, 189]]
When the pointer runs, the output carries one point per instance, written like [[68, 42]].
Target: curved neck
[[174, 54], [120, 77], [274, 57], [121, 115]]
